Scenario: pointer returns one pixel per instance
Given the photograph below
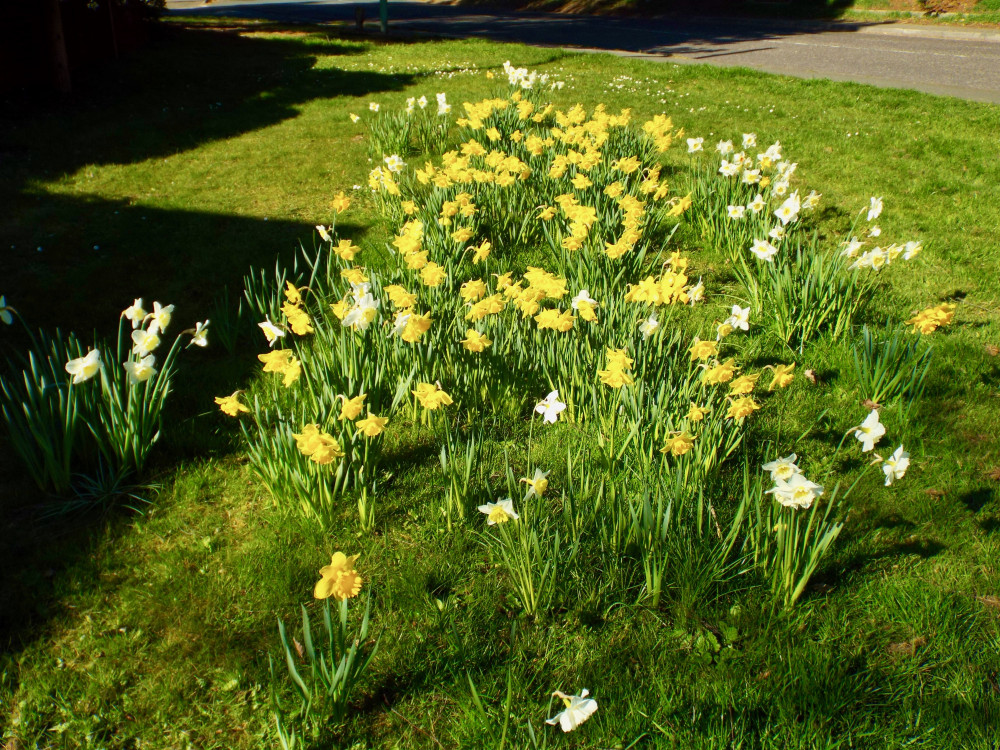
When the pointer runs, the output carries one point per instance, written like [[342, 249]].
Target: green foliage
[[891, 365]]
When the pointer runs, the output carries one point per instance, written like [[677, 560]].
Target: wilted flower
[[578, 708]]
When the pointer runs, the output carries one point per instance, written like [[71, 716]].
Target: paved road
[[938, 60]]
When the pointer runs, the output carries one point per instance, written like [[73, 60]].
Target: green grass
[[219, 148]]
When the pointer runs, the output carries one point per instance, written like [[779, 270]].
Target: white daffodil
[[135, 313], [354, 118], [499, 512], [811, 201], [696, 293], [271, 331], [749, 140], [778, 233], [583, 296], [740, 318], [870, 431], [145, 341], [729, 169], [875, 231], [422, 102], [764, 250], [323, 233], [410, 104], [751, 176], [796, 491], [779, 188], [910, 250], [757, 204], [399, 325], [874, 209], [160, 317], [364, 312], [537, 484], [736, 212], [783, 469], [649, 326], [852, 247], [773, 152], [896, 465], [724, 147], [578, 708], [695, 144], [550, 407], [373, 106], [789, 210], [394, 163], [141, 371], [84, 368], [199, 337]]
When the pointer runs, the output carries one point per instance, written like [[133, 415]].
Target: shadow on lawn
[[192, 87]]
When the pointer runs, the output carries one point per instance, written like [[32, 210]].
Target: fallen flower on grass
[[578, 709]]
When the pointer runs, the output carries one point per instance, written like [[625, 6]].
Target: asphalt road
[[935, 59]]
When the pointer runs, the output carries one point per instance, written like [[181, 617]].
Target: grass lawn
[[218, 149]]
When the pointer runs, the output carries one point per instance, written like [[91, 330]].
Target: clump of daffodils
[[929, 320]]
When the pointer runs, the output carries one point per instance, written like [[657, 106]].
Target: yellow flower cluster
[[294, 310], [929, 320], [320, 447], [283, 362], [618, 372]]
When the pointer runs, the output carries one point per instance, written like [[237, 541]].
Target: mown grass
[[219, 148]]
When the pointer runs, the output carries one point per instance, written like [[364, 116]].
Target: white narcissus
[[578, 709], [783, 469], [84, 368], [135, 313], [499, 512], [870, 431], [896, 465], [145, 341], [796, 492], [199, 336], [550, 407], [141, 371], [271, 331], [160, 317], [764, 250]]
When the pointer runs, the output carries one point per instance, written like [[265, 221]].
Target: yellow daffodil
[[339, 579], [475, 341], [340, 203], [346, 250], [232, 405], [678, 445], [743, 385], [742, 407], [703, 349], [537, 484], [720, 372], [320, 447], [431, 396], [783, 376], [696, 413], [351, 408], [372, 425]]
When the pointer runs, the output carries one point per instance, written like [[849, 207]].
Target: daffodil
[[134, 313], [678, 444], [550, 407], [160, 317], [199, 335], [649, 326], [84, 368], [145, 341], [578, 708], [474, 341], [351, 408], [340, 202], [783, 376], [896, 465], [796, 491], [141, 371], [696, 413], [232, 405], [499, 512], [743, 385], [740, 408], [703, 349], [782, 469], [338, 579], [537, 484], [720, 372], [870, 431], [372, 425], [431, 396], [320, 447], [271, 332]]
